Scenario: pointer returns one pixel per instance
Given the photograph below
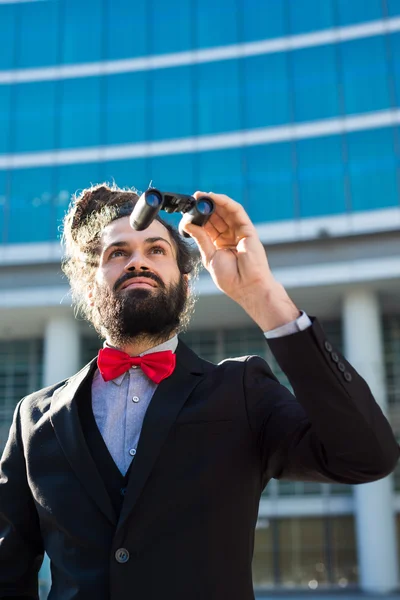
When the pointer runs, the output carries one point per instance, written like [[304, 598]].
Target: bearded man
[[141, 475]]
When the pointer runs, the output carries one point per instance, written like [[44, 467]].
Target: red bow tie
[[156, 365]]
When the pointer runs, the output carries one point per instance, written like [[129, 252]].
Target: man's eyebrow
[[115, 245], [151, 240]]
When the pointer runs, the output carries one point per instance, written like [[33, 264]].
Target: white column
[[375, 518], [61, 349], [61, 360]]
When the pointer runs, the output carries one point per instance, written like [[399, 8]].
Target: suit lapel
[[65, 420], [168, 399]]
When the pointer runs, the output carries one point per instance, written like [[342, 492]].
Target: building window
[[398, 534], [265, 564], [309, 552], [391, 338], [391, 341], [21, 366], [90, 347]]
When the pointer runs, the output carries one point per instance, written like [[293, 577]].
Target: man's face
[[139, 289]]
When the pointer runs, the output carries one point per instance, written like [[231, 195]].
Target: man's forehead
[[120, 230]]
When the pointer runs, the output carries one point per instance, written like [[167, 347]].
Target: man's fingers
[[203, 241], [213, 231], [218, 223]]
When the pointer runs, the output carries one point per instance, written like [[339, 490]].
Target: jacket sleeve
[[331, 430], [21, 547]]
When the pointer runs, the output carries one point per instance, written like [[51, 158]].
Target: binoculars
[[152, 201]]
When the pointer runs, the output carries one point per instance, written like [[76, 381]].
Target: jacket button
[[122, 555], [335, 357], [347, 376], [328, 346], [341, 367]]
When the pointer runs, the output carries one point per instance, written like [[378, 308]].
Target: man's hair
[[88, 214]]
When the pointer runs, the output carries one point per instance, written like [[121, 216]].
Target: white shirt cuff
[[302, 322]]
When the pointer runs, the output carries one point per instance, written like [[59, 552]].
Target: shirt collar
[[170, 344]]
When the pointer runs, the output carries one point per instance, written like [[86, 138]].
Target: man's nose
[[136, 262]]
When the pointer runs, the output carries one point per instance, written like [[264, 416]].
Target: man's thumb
[[202, 240]]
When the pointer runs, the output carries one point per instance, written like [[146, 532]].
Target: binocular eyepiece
[[196, 211]]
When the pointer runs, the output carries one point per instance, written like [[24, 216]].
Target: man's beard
[[142, 313]]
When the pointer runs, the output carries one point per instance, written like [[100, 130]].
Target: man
[[141, 475]]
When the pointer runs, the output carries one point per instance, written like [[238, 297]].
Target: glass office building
[[290, 107]]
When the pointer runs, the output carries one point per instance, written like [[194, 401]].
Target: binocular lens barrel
[[204, 206], [153, 199], [198, 214], [146, 209]]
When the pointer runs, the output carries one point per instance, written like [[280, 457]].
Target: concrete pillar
[[61, 349], [61, 359], [375, 517]]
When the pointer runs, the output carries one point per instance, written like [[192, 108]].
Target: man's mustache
[[128, 276]]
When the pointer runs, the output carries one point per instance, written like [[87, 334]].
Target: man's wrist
[[271, 308]]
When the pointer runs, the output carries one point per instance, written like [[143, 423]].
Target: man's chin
[[137, 292]]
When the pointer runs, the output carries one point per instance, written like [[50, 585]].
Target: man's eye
[[158, 249], [116, 253]]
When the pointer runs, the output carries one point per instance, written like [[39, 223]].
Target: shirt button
[[122, 555], [132, 451], [135, 399]]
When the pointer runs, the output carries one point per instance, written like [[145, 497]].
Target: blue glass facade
[[300, 81]]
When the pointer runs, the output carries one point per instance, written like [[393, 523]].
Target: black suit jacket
[[212, 437]]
